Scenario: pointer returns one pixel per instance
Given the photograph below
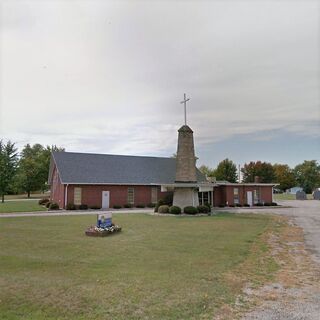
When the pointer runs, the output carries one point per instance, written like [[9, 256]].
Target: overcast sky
[[108, 77]]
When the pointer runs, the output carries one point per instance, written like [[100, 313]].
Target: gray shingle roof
[[88, 168]]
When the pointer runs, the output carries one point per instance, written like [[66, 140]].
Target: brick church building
[[104, 180]]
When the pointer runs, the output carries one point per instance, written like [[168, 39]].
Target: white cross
[[185, 108]]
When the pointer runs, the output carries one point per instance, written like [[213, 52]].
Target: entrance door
[[105, 199], [249, 198]]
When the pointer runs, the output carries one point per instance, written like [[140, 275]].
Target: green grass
[[20, 206], [284, 196], [157, 268], [36, 195]]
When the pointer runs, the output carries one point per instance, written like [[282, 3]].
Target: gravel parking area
[[297, 296]]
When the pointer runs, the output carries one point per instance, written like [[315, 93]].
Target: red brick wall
[[92, 194], [57, 189], [223, 194]]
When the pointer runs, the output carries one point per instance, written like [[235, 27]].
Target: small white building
[[294, 190]]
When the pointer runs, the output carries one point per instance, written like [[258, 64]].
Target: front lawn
[[20, 206], [156, 268]]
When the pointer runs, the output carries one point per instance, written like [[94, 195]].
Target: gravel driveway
[[303, 301]]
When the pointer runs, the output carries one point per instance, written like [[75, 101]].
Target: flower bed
[[95, 231]]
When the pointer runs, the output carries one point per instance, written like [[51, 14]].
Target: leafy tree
[[8, 164], [284, 176], [263, 170], [226, 170], [308, 175], [208, 172], [34, 167]]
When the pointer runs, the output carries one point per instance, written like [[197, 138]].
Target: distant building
[[294, 190]]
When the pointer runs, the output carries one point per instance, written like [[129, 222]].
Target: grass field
[[285, 196], [25, 196], [20, 206], [157, 268]]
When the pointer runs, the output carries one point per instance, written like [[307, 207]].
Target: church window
[[77, 196], [154, 195], [256, 196], [131, 195], [235, 195]]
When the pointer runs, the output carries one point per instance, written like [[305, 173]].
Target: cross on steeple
[[185, 108]]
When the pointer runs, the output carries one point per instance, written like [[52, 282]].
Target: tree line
[[26, 171], [305, 175]]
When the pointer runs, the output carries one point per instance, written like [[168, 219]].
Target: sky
[[108, 77]]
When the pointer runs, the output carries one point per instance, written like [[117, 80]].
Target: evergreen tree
[[226, 170], [8, 165]]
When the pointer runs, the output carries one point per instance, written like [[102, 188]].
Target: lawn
[[37, 195], [157, 268], [285, 196], [20, 206]]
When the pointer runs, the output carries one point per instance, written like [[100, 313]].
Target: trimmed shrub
[[95, 207], [221, 205], [43, 201], [141, 205], [48, 204], [238, 205], [190, 210], [274, 204], [54, 206], [267, 204], [259, 204], [163, 209], [231, 205], [83, 207], [175, 210], [246, 205], [127, 205], [116, 206], [151, 205], [70, 206], [203, 209], [207, 204]]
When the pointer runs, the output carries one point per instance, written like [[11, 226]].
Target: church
[[106, 180]]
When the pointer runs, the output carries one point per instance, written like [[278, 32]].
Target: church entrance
[[205, 197]]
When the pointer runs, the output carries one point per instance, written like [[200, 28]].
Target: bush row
[[260, 204], [187, 210], [71, 206]]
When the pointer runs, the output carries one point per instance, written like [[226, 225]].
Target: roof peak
[[185, 128]]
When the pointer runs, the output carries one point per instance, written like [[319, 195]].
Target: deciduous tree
[[226, 170], [263, 170], [308, 175], [284, 176]]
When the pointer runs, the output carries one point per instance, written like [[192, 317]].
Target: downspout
[[66, 196]]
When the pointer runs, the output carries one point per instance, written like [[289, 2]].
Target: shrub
[[48, 204], [231, 205], [116, 206], [95, 207], [203, 209], [221, 205], [127, 205], [259, 204], [43, 201], [70, 206], [207, 204], [163, 209], [246, 205], [175, 210], [238, 205], [54, 206], [83, 207], [151, 205], [274, 204], [190, 210], [141, 205], [267, 204]]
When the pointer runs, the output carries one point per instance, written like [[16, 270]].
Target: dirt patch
[[294, 293]]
